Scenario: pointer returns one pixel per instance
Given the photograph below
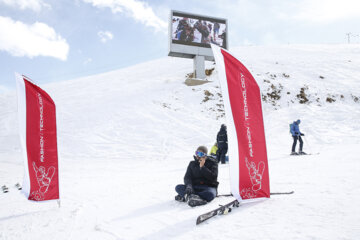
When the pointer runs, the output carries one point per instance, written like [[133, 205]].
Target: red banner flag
[[249, 173], [37, 126]]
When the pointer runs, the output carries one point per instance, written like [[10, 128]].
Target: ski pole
[[307, 144]]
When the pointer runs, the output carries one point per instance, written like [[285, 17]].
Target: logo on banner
[[43, 178], [256, 176], [255, 173]]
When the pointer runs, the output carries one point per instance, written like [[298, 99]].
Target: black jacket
[[221, 137], [207, 175]]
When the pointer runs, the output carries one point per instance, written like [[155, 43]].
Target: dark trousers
[[205, 192], [294, 143], [220, 154]]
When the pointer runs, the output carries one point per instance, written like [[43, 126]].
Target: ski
[[273, 193], [222, 210], [281, 193], [304, 154], [5, 189]]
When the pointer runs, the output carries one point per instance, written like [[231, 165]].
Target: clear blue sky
[[55, 40]]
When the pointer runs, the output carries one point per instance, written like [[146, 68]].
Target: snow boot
[[179, 198], [195, 200], [294, 153], [4, 189], [18, 186], [302, 153]]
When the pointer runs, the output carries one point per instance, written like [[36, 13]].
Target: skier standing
[[296, 134], [222, 143]]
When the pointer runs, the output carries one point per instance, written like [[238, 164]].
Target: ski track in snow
[[126, 137]]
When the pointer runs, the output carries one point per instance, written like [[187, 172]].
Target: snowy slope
[[125, 139]]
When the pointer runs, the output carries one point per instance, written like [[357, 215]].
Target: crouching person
[[200, 180]]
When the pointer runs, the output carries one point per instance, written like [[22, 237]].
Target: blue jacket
[[294, 129]]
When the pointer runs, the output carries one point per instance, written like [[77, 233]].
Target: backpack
[[290, 126]]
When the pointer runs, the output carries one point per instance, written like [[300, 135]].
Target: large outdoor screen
[[200, 31]]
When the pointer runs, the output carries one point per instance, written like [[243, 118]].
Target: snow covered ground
[[125, 139]]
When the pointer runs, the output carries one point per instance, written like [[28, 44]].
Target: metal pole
[[348, 35], [199, 67]]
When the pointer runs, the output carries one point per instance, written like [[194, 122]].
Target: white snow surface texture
[[126, 137]]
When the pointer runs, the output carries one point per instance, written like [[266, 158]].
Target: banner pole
[[37, 118]]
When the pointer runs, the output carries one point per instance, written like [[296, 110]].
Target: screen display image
[[198, 31]]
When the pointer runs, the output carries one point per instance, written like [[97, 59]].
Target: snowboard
[[222, 210]]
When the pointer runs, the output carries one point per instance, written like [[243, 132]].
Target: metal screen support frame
[[199, 67]]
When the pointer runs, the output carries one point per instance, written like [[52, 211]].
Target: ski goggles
[[200, 154]]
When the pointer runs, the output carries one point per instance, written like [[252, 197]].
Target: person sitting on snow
[[296, 134], [200, 180]]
